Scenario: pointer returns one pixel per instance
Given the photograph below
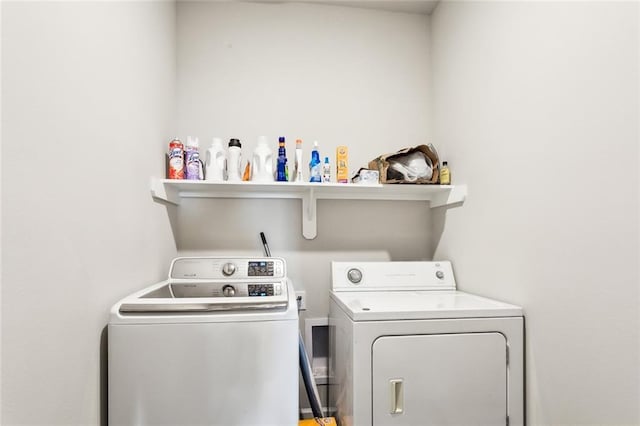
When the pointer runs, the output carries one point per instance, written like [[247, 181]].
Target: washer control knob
[[354, 275], [228, 291], [440, 274], [228, 269]]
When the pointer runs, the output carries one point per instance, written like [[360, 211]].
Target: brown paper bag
[[381, 164]]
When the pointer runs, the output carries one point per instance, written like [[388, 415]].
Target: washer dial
[[228, 269], [228, 291]]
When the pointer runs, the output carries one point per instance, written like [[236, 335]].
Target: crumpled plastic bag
[[419, 165], [410, 167]]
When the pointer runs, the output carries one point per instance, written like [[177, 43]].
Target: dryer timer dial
[[354, 275]]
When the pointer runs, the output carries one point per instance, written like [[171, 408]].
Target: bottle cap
[[281, 139], [216, 142], [235, 142], [444, 163], [298, 143], [192, 142], [326, 160]]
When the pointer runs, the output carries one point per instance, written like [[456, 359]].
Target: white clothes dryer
[[215, 344], [407, 348]]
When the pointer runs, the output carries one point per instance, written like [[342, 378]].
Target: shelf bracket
[[309, 223], [164, 193], [457, 194]]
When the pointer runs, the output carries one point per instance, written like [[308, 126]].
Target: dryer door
[[440, 379]]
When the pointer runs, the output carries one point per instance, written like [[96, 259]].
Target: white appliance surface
[[407, 349], [193, 351], [394, 305]]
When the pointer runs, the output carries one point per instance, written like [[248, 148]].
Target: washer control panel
[[238, 268], [225, 290]]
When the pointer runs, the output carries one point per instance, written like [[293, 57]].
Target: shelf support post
[[309, 224]]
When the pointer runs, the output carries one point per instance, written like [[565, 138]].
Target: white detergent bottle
[[262, 162], [233, 162], [214, 164]]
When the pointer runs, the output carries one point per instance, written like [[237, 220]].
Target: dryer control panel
[[392, 276]]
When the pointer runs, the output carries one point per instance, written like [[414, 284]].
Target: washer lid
[[415, 305]]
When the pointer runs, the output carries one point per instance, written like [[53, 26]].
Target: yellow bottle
[[445, 175]]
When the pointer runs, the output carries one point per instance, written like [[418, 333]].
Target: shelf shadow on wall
[[172, 215], [407, 230], [438, 224]]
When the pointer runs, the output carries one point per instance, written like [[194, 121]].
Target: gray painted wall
[[526, 100], [87, 106], [536, 107]]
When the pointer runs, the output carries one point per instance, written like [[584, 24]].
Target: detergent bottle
[[262, 162], [315, 167], [214, 161], [233, 162]]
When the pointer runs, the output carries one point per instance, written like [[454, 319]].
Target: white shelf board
[[172, 191]]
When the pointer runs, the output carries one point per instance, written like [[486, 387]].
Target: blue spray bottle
[[315, 167]]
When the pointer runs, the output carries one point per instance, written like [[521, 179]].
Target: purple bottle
[[192, 160]]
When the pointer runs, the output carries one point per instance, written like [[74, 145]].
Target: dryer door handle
[[397, 396]]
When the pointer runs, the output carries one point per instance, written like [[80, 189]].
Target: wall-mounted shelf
[[172, 191]]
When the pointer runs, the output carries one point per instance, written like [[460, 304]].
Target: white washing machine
[[215, 344], [407, 348]]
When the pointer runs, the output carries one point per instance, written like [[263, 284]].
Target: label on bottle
[[445, 176], [326, 172], [176, 160], [342, 164], [194, 166]]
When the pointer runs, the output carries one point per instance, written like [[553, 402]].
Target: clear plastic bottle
[[326, 170], [298, 176]]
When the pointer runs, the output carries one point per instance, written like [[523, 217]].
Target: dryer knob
[[228, 269], [440, 274], [354, 275], [228, 291]]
